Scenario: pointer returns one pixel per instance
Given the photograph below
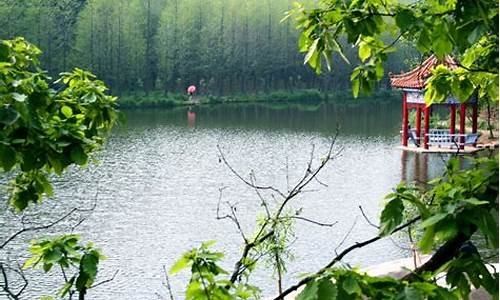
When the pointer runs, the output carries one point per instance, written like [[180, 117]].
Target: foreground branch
[[338, 258], [443, 255]]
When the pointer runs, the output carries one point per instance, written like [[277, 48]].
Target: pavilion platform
[[435, 149]]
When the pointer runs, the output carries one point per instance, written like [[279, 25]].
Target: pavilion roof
[[416, 78]]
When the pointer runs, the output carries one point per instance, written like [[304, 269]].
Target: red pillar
[[405, 121], [426, 126], [463, 108], [474, 119], [418, 120], [453, 115]]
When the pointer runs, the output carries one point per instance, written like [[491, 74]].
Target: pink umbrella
[[191, 89]]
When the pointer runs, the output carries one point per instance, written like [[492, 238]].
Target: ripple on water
[[157, 189]]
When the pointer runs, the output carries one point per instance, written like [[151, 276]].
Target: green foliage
[[459, 203], [206, 282], [143, 45], [350, 284], [466, 29], [78, 263], [43, 131]]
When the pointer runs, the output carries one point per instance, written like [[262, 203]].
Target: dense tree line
[[223, 46]]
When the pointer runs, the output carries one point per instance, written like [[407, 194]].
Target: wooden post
[[418, 120], [426, 126], [453, 115], [405, 121], [463, 109], [474, 119]]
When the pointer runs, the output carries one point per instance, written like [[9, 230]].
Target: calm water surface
[[158, 180]]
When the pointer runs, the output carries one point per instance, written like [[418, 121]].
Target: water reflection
[[415, 167], [191, 117], [369, 119]]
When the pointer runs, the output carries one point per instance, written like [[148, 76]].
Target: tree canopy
[[222, 46]]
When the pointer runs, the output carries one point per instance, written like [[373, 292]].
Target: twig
[[36, 228], [233, 217], [346, 235], [243, 179], [105, 281], [52, 224], [6, 287], [169, 287], [312, 221], [366, 218]]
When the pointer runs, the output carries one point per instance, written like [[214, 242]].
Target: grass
[[158, 99]]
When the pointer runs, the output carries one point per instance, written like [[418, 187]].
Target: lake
[[158, 179]]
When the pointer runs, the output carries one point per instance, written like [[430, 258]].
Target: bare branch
[[233, 217], [244, 180], [6, 287], [169, 287], [346, 235], [36, 228], [311, 221], [49, 225], [366, 218], [309, 175], [106, 280]]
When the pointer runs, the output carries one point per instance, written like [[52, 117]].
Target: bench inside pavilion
[[413, 86]]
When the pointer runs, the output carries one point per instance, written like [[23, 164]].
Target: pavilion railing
[[443, 138]]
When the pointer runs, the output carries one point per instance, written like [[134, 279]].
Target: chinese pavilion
[[413, 86]]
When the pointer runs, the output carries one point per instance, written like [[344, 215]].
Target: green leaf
[[7, 157], [78, 155], [47, 267], [364, 51], [89, 264], [67, 111], [327, 290], [179, 265], [433, 220], [355, 87], [52, 256], [488, 227], [391, 216], [19, 97], [441, 43], [31, 262], [312, 54], [351, 286], [67, 287], [405, 19], [475, 201], [8, 115], [410, 293], [427, 240], [310, 292], [4, 52]]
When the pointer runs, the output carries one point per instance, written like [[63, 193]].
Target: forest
[[225, 47]]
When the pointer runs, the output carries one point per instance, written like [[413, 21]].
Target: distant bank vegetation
[[225, 47], [160, 99]]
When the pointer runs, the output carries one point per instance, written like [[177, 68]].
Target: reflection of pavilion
[[434, 140], [415, 167]]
